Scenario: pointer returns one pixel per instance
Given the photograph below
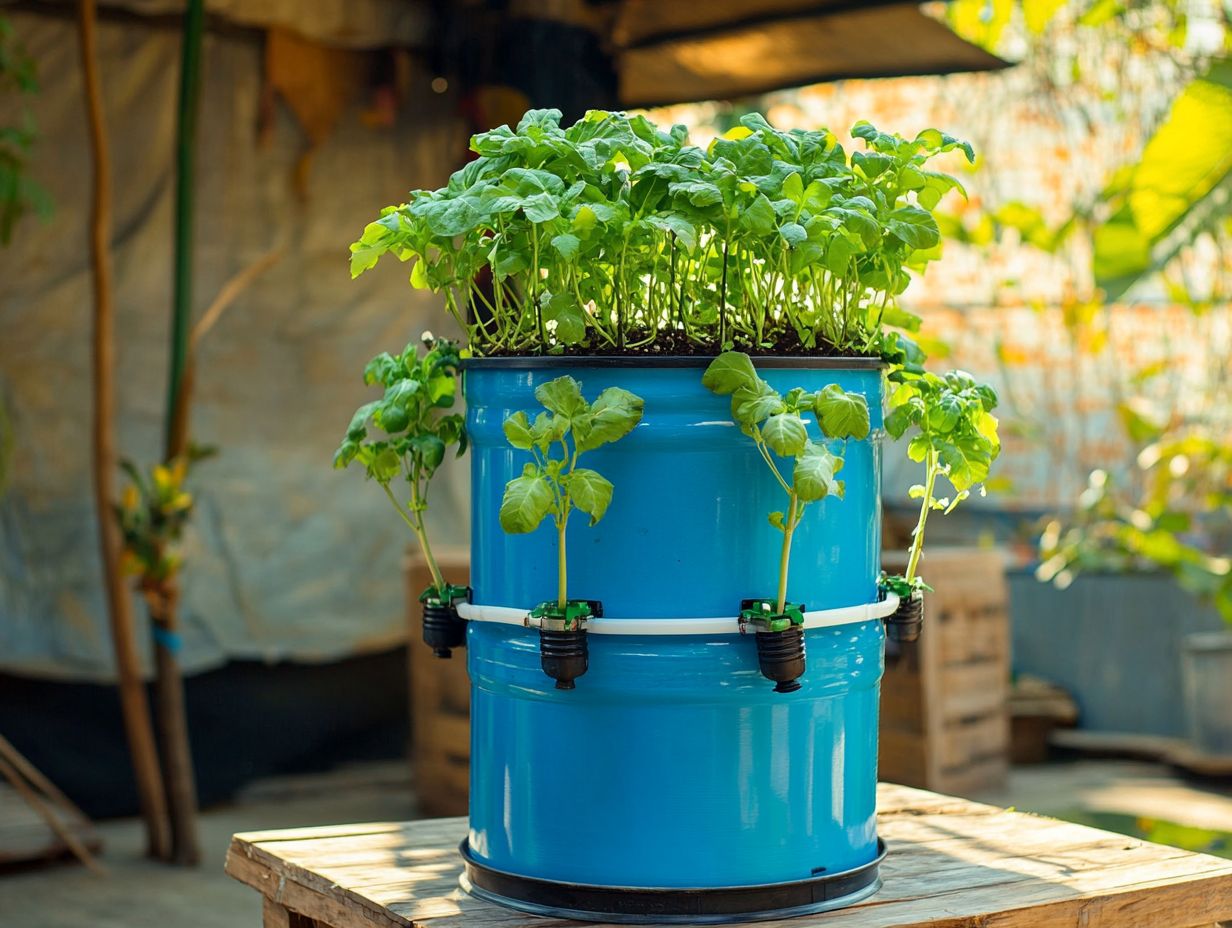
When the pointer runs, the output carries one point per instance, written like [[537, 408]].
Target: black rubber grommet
[[702, 906], [904, 624], [780, 655], [564, 655], [443, 628]]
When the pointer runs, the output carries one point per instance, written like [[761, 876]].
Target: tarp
[[286, 557]]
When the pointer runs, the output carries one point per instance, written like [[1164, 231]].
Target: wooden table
[[952, 864]]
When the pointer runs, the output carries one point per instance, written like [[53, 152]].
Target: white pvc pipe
[[822, 618]]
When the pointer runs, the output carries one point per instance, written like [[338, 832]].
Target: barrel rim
[[626, 362]]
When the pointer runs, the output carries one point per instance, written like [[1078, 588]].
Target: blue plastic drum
[[673, 765]]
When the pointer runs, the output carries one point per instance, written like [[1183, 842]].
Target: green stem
[[917, 542], [185, 150], [562, 595], [789, 526], [421, 534]]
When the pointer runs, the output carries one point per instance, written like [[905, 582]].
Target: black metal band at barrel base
[[637, 906]]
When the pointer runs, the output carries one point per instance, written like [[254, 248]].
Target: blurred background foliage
[[19, 194], [1089, 272], [1156, 229]]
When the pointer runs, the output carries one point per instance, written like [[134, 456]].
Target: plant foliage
[[414, 415], [152, 513], [552, 483], [615, 236], [778, 425], [955, 438], [18, 193], [1187, 480]]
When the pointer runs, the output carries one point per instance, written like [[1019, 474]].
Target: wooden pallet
[[944, 716], [440, 700], [951, 864]]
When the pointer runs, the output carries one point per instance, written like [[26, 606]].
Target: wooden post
[[133, 704]]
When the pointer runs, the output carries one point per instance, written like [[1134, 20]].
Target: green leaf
[[793, 187], [729, 372], [613, 415], [751, 405], [562, 396], [838, 254], [813, 476], [785, 434], [898, 420], [758, 217], [914, 227], [419, 275], [385, 465], [841, 414], [589, 492], [548, 428], [527, 501], [562, 309], [430, 451], [518, 433], [793, 233], [566, 245], [1174, 191]]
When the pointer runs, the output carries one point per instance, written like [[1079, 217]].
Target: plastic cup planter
[[674, 782]]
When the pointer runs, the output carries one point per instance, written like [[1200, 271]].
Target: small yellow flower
[[130, 499], [162, 476]]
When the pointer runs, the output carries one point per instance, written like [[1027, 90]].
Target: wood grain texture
[[944, 705], [440, 698], [952, 864]]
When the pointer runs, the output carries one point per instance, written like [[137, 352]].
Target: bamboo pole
[[134, 707], [169, 681]]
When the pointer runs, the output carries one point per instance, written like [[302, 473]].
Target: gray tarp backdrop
[[288, 559]]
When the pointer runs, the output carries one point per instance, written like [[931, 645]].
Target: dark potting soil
[[676, 343]]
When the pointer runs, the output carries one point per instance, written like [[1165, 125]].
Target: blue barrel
[[673, 764]]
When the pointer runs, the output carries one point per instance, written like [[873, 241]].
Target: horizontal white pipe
[[822, 618]]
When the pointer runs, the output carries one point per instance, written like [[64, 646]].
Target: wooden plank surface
[[952, 864]]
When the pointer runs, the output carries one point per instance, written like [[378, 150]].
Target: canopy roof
[[642, 52]]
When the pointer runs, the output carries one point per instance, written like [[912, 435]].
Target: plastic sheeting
[[287, 559]]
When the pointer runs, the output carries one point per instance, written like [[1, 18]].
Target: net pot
[[443, 628]]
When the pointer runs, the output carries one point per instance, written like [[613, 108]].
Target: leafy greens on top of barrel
[[613, 236]]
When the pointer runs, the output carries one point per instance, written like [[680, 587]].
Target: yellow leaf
[[1039, 13]]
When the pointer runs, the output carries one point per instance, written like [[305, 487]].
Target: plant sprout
[[615, 236], [957, 440], [418, 429], [553, 484], [777, 425]]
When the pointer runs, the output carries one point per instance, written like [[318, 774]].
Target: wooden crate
[[440, 699], [944, 705]]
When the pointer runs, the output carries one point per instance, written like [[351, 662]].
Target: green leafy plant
[[552, 483], [153, 511], [19, 195], [778, 426], [1181, 511], [956, 438], [614, 236], [418, 428]]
